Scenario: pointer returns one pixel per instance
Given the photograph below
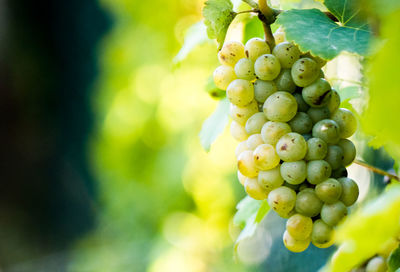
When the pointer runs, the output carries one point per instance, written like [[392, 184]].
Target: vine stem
[[377, 170], [268, 17]]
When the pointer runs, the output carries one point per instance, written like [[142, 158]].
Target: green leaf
[[213, 90], [350, 92], [313, 31], [214, 125], [218, 16], [366, 230], [253, 28], [245, 208], [345, 11], [394, 260]]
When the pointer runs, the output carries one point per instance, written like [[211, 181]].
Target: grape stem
[[377, 170], [248, 11], [268, 16]]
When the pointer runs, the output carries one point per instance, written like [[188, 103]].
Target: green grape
[[242, 114], [242, 178], [376, 264], [334, 156], [254, 190], [242, 146], [223, 75], [238, 132], [308, 203], [280, 107], [339, 173], [301, 123], [329, 191], [254, 141], [294, 172], [333, 213], [240, 92], [346, 120], [244, 69], [318, 93], [272, 131], [282, 200], [349, 191], [328, 130], [267, 67], [256, 47], [320, 62], [263, 89], [302, 105], [255, 123], [270, 179], [304, 72], [316, 149], [265, 157], [299, 226], [334, 102], [295, 245], [322, 234], [318, 114], [318, 171], [287, 54], [247, 165], [230, 53], [291, 147], [284, 81], [349, 151]]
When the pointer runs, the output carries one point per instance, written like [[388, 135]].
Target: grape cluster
[[293, 148]]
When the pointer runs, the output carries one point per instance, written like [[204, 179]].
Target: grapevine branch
[[377, 170]]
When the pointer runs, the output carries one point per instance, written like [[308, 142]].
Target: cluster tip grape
[[293, 148]]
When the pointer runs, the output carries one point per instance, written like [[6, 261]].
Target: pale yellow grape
[[272, 131], [242, 146], [295, 245], [238, 131], [246, 164], [242, 178], [254, 190], [256, 47], [282, 200], [280, 107], [230, 53], [287, 54], [267, 67], [291, 147], [242, 114], [223, 75], [376, 264], [240, 92], [270, 179], [346, 120], [244, 69], [255, 123], [254, 141], [265, 157], [299, 226]]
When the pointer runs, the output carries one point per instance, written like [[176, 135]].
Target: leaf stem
[[377, 170]]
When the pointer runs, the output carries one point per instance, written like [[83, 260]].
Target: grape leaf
[[394, 260], [214, 125], [345, 11], [218, 15], [313, 31]]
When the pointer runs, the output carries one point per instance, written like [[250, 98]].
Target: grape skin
[[254, 190], [230, 53], [287, 54], [223, 75], [308, 203], [294, 172], [376, 264], [318, 93], [242, 146], [280, 107], [238, 132], [327, 130], [301, 104], [291, 147], [322, 234], [316, 149], [299, 226], [333, 213], [267, 67], [295, 245], [334, 156], [272, 131], [304, 72], [334, 102], [329, 191], [254, 141], [256, 47], [284, 81], [242, 178], [240, 92], [265, 157], [318, 114], [318, 171], [255, 123], [346, 120], [244, 69], [349, 151], [350, 191], [301, 123], [263, 89], [242, 114], [270, 179], [282, 200], [247, 165]]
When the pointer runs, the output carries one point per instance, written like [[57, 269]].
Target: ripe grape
[[316, 149], [294, 172], [299, 226], [230, 53], [287, 54], [327, 130], [247, 165], [255, 123], [308, 203], [282, 200], [334, 102], [242, 178], [301, 123], [295, 245], [329, 191], [270, 179], [318, 171], [254, 141], [265, 157], [279, 36], [223, 75], [318, 93], [333, 213], [322, 234], [263, 89], [267, 67], [320, 62], [349, 191], [346, 120], [291, 147], [376, 264], [240, 92], [242, 114], [349, 151], [284, 81], [280, 107], [256, 47], [238, 132], [304, 72], [242, 146], [244, 69], [318, 114], [254, 190], [272, 131], [334, 156], [301, 104]]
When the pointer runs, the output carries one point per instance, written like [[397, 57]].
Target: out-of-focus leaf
[[313, 31], [245, 208], [253, 28], [214, 125], [195, 35], [218, 15], [349, 92], [394, 260], [213, 90], [366, 230], [379, 7]]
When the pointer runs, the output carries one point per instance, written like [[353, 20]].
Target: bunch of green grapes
[[293, 148]]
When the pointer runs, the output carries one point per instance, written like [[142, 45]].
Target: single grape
[[316, 149], [376, 264], [246, 164], [230, 53], [328, 130], [339, 173], [304, 72], [282, 200], [334, 102], [284, 81], [255, 123], [238, 132], [318, 93], [254, 190], [346, 120], [242, 114], [349, 191], [308, 203], [270, 179], [299, 226], [329, 191], [294, 172], [322, 234], [265, 157], [287, 54], [267, 67], [349, 151], [333, 213], [263, 89], [240, 92], [318, 114], [301, 123], [223, 75], [280, 107], [318, 171], [254, 141], [242, 146], [291, 147], [272, 131], [295, 245], [244, 69], [320, 62], [256, 47], [302, 105], [334, 156]]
